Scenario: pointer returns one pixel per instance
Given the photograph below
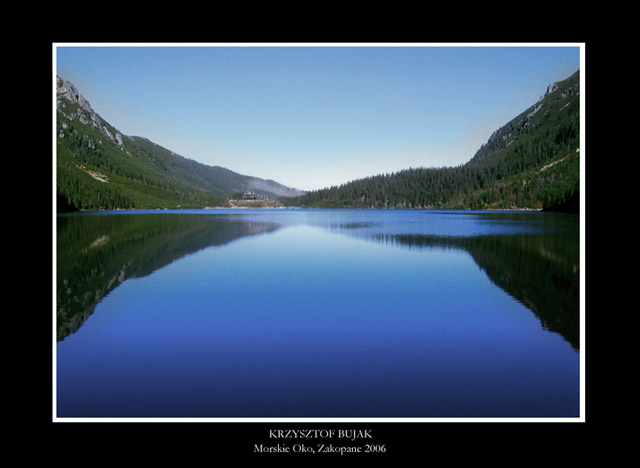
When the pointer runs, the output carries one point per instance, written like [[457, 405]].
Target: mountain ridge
[[532, 162], [97, 167]]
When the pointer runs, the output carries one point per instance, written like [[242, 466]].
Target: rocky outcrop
[[81, 110], [65, 90]]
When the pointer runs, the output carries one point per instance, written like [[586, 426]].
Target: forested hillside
[[532, 162], [99, 168]]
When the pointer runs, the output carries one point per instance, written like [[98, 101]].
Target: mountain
[[532, 162], [97, 167]]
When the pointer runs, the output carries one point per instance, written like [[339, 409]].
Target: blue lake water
[[318, 313]]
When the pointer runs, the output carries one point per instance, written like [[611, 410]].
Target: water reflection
[[534, 258], [337, 314], [96, 253], [540, 271]]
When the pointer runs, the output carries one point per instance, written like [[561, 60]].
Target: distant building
[[249, 196]]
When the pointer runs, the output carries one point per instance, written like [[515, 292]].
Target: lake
[[317, 314]]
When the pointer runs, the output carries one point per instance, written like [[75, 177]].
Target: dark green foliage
[[532, 162], [97, 168], [79, 191], [129, 175]]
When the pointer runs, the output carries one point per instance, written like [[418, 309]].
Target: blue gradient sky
[[311, 116]]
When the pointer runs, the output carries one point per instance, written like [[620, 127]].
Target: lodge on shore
[[252, 196]]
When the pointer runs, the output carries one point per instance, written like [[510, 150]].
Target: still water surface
[[317, 313]]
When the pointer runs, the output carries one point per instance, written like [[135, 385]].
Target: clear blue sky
[[312, 116]]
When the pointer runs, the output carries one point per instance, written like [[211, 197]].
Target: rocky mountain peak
[[66, 92]]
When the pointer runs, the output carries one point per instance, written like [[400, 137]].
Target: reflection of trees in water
[[539, 270], [96, 253]]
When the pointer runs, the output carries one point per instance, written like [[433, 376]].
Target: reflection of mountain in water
[[539, 270], [97, 253]]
